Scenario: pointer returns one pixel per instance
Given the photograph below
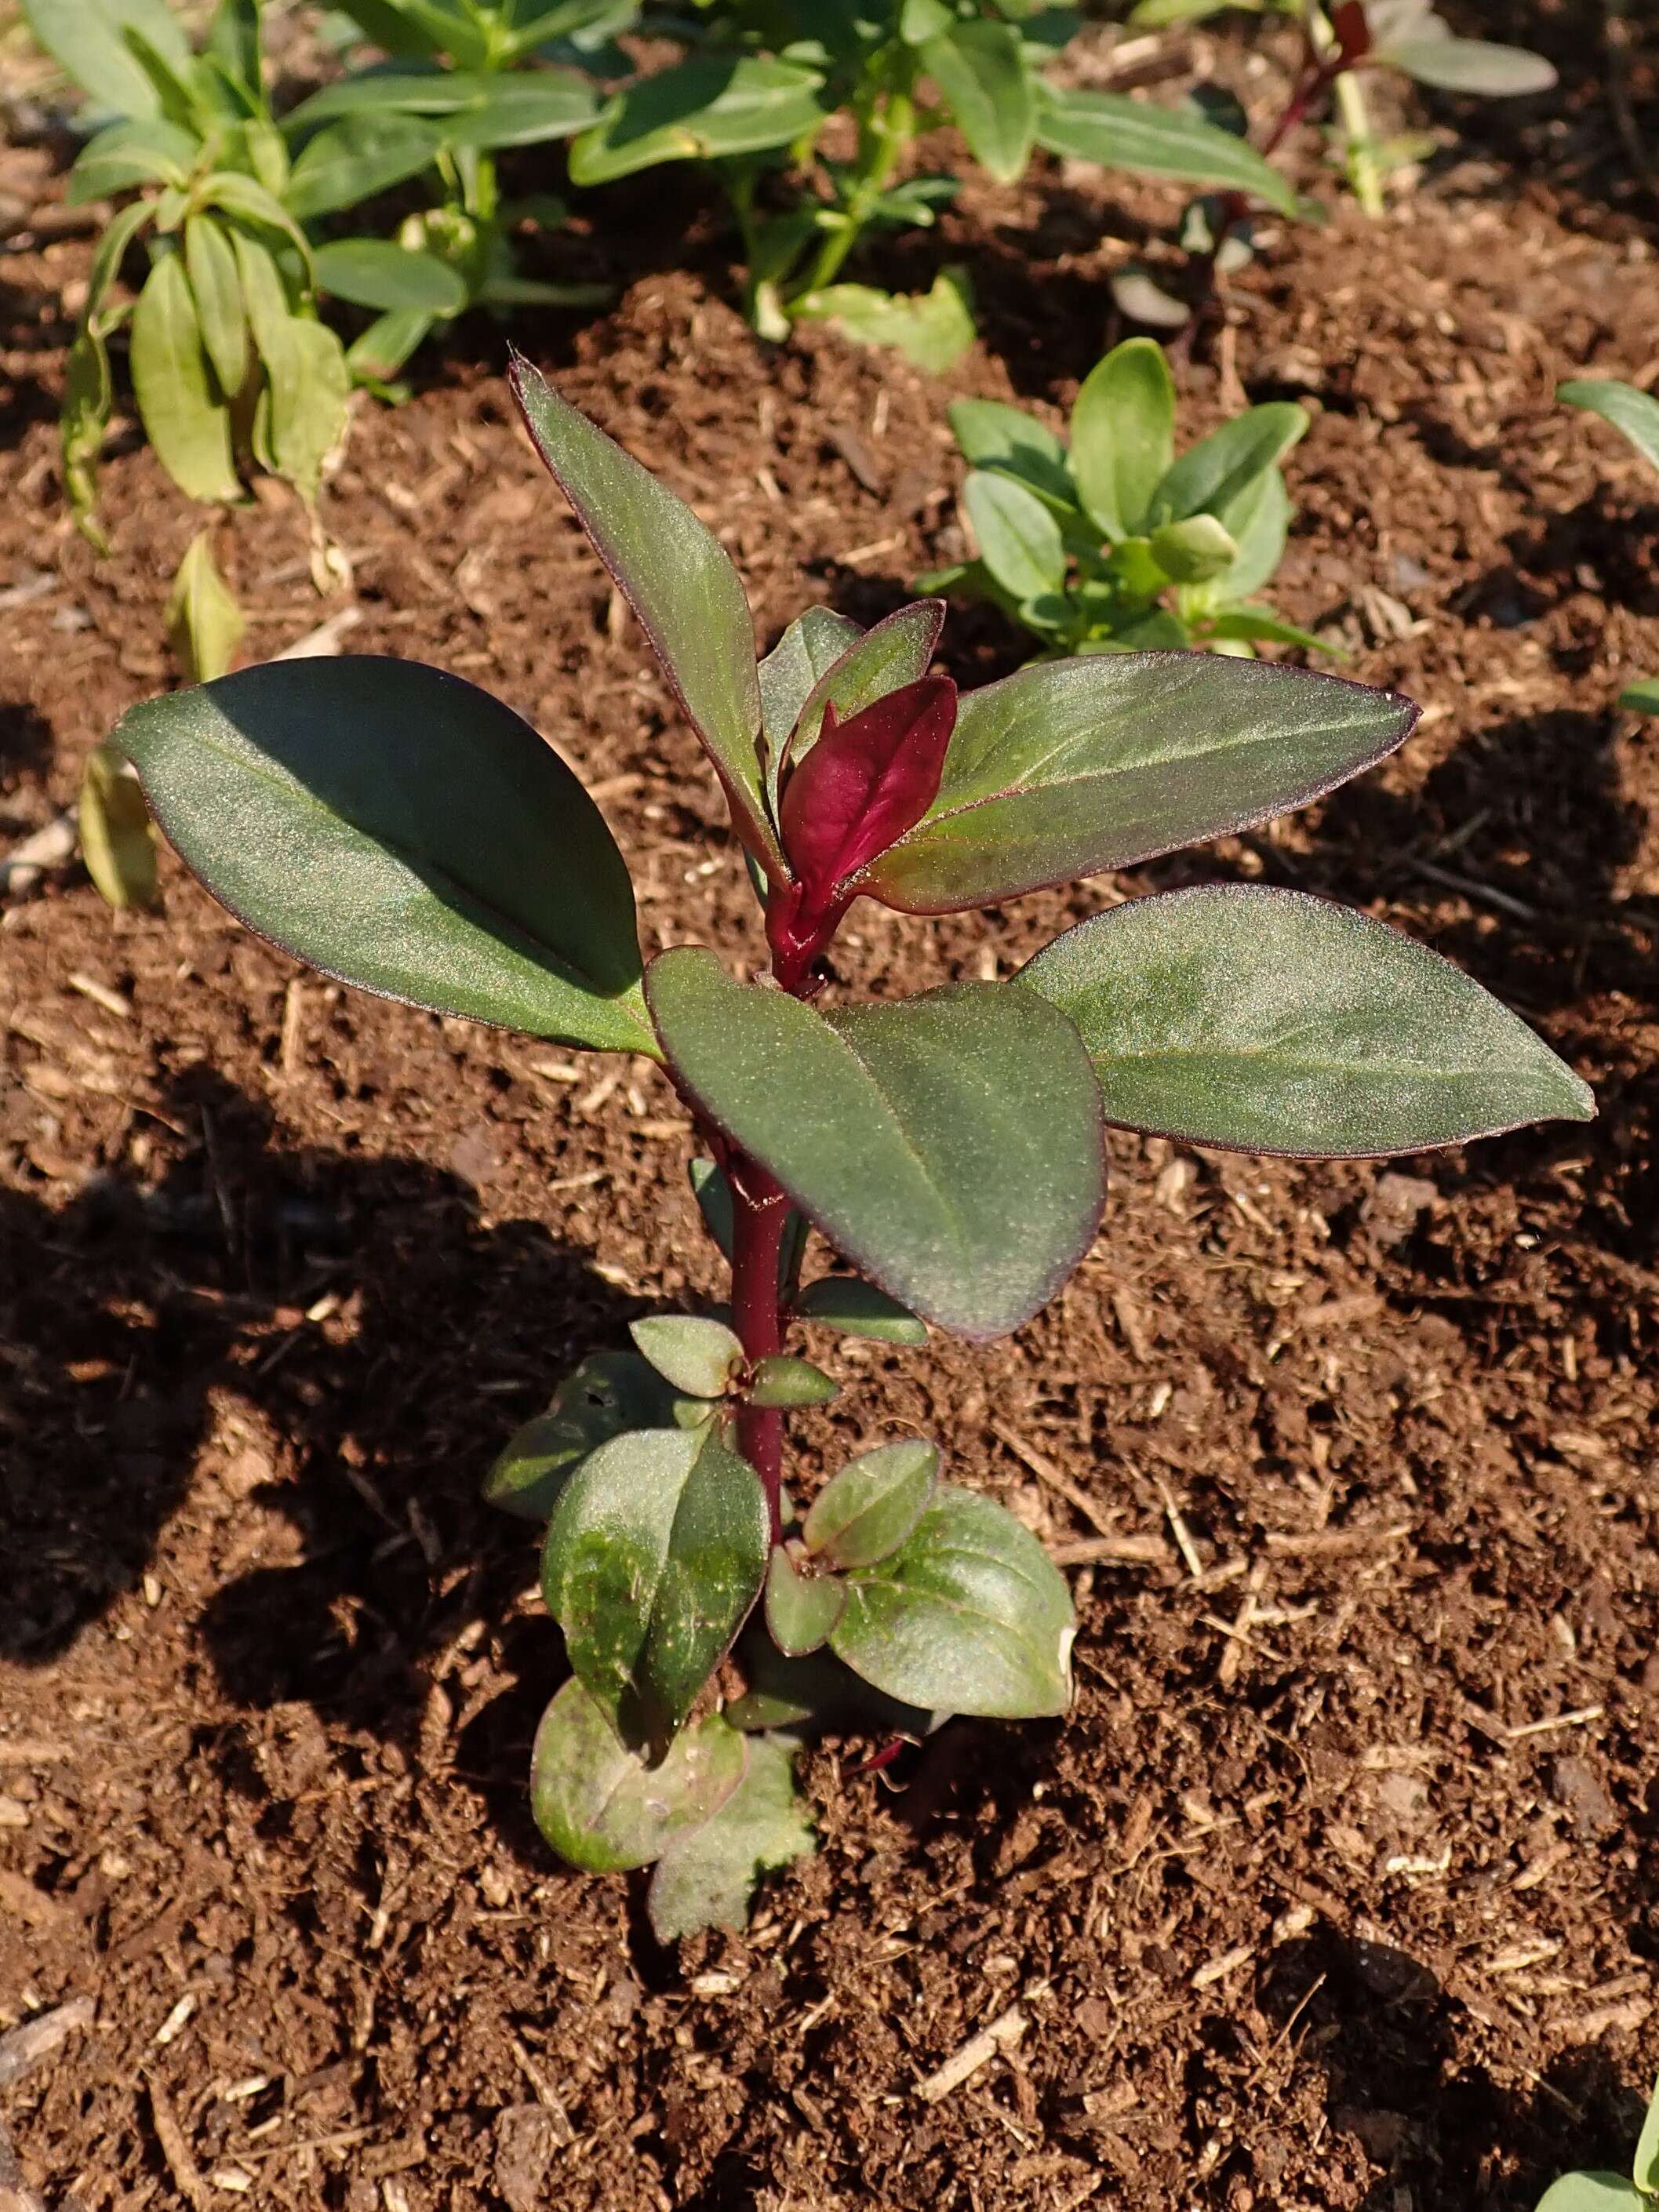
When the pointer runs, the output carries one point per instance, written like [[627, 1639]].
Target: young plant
[[457, 81], [404, 831], [1611, 2192], [1637, 414], [761, 80], [1109, 544]]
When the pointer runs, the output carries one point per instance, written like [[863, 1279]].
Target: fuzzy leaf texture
[[707, 1877]]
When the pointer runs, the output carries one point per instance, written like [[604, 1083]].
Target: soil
[[1339, 1886]]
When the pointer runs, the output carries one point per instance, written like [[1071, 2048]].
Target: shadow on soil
[[350, 1345], [1383, 2029]]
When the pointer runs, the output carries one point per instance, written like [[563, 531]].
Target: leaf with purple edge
[[865, 782]]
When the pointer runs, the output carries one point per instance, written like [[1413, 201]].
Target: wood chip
[[101, 995], [1131, 1551], [1003, 2033], [1585, 1714], [1045, 1471], [192, 2184], [16, 2194], [1228, 1963], [23, 2047], [325, 641]]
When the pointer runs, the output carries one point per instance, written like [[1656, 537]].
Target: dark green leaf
[[1223, 467], [970, 1614], [947, 1145], [1636, 413], [1019, 539], [185, 419], [1123, 435], [995, 436], [808, 649], [708, 1878], [871, 1506], [932, 330], [354, 159], [1470, 66], [655, 1553], [979, 67], [815, 1693], [1064, 769], [117, 842], [215, 285], [698, 1356], [609, 1393], [401, 829], [602, 1808], [785, 1384], [705, 109], [1267, 1021], [800, 1609], [529, 108], [858, 1309], [87, 40], [1122, 133], [679, 582], [374, 272]]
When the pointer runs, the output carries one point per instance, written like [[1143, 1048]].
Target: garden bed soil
[[1339, 1886]]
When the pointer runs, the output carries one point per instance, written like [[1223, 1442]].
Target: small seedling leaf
[[205, 623], [800, 1609], [708, 1879], [1123, 435], [1220, 468], [785, 1384], [210, 265], [994, 435], [1195, 551], [117, 842], [1019, 539], [1636, 413], [856, 1308], [808, 650], [696, 1355], [86, 38], [599, 1804], [705, 109], [186, 420], [1592, 2192], [875, 663], [377, 272], [1268, 1021], [354, 159], [867, 1510], [1470, 66], [816, 1694], [608, 1394], [1122, 133], [1642, 698], [1645, 2170], [932, 330]]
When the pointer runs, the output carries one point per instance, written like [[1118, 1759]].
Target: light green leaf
[[946, 1144], [1259, 626], [1591, 2192], [117, 842], [969, 1614], [800, 1609], [994, 436], [150, 151], [655, 1553], [871, 1507], [1469, 65], [1258, 520], [1195, 551], [86, 38], [1066, 769], [696, 1355], [1642, 698], [87, 400], [385, 345], [122, 228], [816, 1693], [678, 581], [1223, 467], [602, 1808], [1123, 435], [708, 1878], [932, 330], [1645, 2169], [185, 422], [310, 400], [376, 272], [233, 42], [1267, 1021], [808, 649], [401, 829], [783, 1384], [205, 623], [249, 201], [609, 1392], [1636, 413], [1122, 133], [357, 157], [1019, 539], [705, 109], [215, 285], [854, 1308], [980, 67], [531, 107]]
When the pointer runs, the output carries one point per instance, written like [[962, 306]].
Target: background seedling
[[1637, 414], [402, 829]]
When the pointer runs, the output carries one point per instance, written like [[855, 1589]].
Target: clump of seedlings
[[864, 1168]]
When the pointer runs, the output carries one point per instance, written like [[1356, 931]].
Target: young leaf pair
[[402, 829], [1109, 544], [1636, 415]]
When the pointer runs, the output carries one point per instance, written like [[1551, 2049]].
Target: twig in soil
[[1003, 2033], [1230, 1661], [1045, 1471], [546, 2095], [1129, 1551], [1228, 1963], [323, 642], [181, 2165], [1579, 1719], [1471, 887], [100, 994], [1182, 1534], [23, 2047]]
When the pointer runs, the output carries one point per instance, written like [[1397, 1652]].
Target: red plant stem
[[760, 1215]]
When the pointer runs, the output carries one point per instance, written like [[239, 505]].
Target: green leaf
[[117, 842], [1469, 65], [808, 649], [932, 330], [980, 67], [1645, 2169], [233, 42], [783, 1384], [250, 202], [82, 426], [122, 230], [1195, 551], [210, 265], [705, 109], [1223, 467], [1122, 133], [386, 345], [609, 1392], [858, 1309], [1258, 521], [531, 107], [994, 436], [922, 20], [1259, 626], [701, 1357], [150, 151], [1636, 413], [871, 1508], [816, 1693], [1267, 1021], [1066, 768], [801, 1610], [655, 1553], [404, 830], [184, 419], [1591, 2192], [1123, 435], [602, 1808], [897, 651], [947, 1145], [969, 1614], [310, 401], [1642, 698], [86, 38], [683, 588], [710, 1877], [374, 272], [357, 157], [205, 623], [1019, 539]]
